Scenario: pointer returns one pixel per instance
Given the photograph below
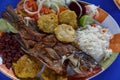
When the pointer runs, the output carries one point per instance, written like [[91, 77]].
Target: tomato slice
[[45, 10], [31, 5], [61, 9]]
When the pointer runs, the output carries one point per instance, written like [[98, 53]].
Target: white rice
[[94, 42]]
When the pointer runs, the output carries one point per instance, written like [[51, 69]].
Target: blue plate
[[112, 73]]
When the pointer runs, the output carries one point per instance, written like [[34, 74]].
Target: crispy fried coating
[[48, 22], [49, 74], [68, 17], [26, 67], [65, 33]]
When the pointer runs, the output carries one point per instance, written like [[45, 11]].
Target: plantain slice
[[49, 74], [26, 67]]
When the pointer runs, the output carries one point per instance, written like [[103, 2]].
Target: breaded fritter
[[68, 17], [65, 33], [48, 22]]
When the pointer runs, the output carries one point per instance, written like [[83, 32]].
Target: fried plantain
[[65, 33], [68, 17], [26, 67], [47, 23], [49, 74]]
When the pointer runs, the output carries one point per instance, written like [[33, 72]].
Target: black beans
[[10, 49]]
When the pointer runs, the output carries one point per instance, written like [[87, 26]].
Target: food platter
[[107, 22]]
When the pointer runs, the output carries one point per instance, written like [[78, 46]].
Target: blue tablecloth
[[113, 72]]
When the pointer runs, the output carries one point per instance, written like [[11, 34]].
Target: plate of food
[[57, 40]]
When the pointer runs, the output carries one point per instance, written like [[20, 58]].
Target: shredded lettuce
[[6, 27], [59, 3]]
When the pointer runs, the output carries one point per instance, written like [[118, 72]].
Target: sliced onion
[[39, 2], [78, 6], [27, 9], [27, 19], [54, 4], [47, 3]]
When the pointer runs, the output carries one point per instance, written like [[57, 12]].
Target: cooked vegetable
[[61, 9], [85, 20], [47, 23], [20, 8], [30, 6], [45, 10], [68, 17], [5, 26], [26, 67], [65, 33], [49, 74]]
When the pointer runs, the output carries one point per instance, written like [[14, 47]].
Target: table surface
[[113, 72]]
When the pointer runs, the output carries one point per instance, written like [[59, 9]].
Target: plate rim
[[15, 78]]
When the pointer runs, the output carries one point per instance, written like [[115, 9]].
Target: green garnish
[[6, 27], [85, 20]]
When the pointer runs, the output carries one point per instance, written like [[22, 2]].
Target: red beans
[[10, 49]]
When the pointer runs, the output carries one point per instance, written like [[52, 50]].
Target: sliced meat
[[64, 48], [49, 40], [52, 53]]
